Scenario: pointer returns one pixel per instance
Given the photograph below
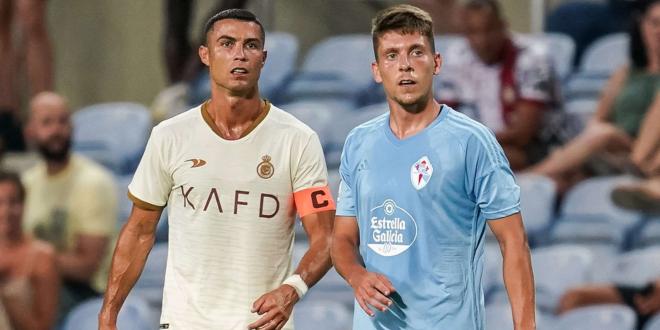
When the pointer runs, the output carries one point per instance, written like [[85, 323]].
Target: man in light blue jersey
[[418, 186]]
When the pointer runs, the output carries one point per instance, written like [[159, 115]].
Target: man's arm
[[518, 277], [524, 124], [369, 288], [84, 260], [133, 245], [276, 306]]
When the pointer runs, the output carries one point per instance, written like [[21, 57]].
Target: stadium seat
[[600, 317], [113, 134], [557, 269], [600, 60], [581, 109], [323, 116], [537, 201], [559, 47], [135, 314], [653, 323], [322, 315], [592, 198], [339, 66], [649, 234], [637, 267], [150, 284], [499, 317], [282, 50]]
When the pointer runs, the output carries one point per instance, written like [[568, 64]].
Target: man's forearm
[[130, 255], [316, 261], [519, 281], [346, 259]]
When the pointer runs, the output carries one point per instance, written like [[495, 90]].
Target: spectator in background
[[71, 202], [28, 17], [507, 85], [28, 276], [644, 300], [623, 133]]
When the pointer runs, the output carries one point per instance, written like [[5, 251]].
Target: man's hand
[[649, 304], [276, 307], [372, 289]]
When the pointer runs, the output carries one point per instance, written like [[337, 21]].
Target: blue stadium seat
[[150, 284], [324, 116], [114, 134], [446, 41], [581, 109], [499, 317], [282, 50], [559, 47], [649, 234], [600, 60], [637, 267], [557, 269], [653, 323], [600, 317], [339, 66], [322, 315], [537, 202], [134, 315], [592, 198]]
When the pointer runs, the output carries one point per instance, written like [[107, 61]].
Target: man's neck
[[55, 167], [234, 115], [405, 123]]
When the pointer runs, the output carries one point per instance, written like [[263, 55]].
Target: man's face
[[11, 209], [50, 127], [405, 66], [485, 33], [235, 55]]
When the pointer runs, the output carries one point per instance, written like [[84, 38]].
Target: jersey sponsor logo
[[392, 229], [420, 173], [269, 204], [265, 169], [196, 162]]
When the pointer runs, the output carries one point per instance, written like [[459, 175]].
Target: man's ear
[[203, 53], [376, 72]]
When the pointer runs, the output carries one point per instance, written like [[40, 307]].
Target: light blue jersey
[[421, 204]]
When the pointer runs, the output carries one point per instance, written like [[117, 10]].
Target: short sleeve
[[490, 179], [345, 198], [535, 76], [152, 182], [96, 211], [310, 180]]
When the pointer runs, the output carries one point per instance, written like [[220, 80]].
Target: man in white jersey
[[234, 171]]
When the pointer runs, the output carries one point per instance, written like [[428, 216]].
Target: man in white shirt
[[234, 171]]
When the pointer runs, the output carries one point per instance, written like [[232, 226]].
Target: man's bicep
[[508, 228], [318, 225], [346, 228]]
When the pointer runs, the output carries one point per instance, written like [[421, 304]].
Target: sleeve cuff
[[502, 213], [144, 205]]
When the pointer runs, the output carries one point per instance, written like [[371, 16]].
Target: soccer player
[[418, 186], [233, 171]]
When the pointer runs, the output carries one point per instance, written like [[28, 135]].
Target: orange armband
[[313, 200]]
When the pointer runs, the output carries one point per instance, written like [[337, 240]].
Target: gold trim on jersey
[[144, 205], [265, 108]]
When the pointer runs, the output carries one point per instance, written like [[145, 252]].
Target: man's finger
[[257, 304], [387, 283], [377, 304], [364, 306], [263, 320], [382, 287]]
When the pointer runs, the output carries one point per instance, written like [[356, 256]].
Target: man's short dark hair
[[239, 14], [14, 179], [492, 5], [406, 18]]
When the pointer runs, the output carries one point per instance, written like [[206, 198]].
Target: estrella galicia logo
[[393, 229]]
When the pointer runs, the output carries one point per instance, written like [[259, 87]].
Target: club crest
[[421, 172]]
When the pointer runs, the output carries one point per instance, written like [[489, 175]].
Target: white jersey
[[231, 207]]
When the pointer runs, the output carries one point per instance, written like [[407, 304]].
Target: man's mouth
[[239, 71]]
